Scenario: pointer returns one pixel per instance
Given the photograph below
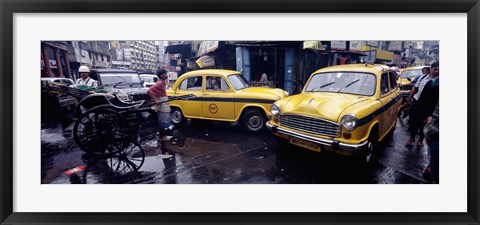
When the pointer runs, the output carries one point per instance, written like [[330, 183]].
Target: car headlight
[[349, 122], [275, 109]]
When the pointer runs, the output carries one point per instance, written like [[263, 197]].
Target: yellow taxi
[[222, 95], [406, 76], [346, 109]]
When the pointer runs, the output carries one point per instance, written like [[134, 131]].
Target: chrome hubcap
[[255, 122], [176, 116]]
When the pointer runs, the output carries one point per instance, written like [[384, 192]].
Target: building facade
[[143, 56], [94, 54], [54, 59], [162, 58]]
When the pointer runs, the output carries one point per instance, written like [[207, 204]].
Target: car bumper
[[335, 145]]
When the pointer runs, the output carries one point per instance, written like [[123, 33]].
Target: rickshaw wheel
[[125, 163], [101, 131]]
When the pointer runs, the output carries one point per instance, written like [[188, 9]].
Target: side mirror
[[409, 79]]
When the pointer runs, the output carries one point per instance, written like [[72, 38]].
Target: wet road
[[206, 152]]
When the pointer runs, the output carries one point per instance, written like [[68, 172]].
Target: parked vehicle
[[148, 79], [346, 109], [62, 80], [222, 95], [125, 83], [406, 76], [64, 101]]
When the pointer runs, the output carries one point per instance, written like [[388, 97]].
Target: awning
[[206, 47], [313, 45], [184, 49], [57, 44], [205, 61], [380, 54]]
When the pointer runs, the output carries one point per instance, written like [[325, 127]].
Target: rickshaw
[[107, 121]]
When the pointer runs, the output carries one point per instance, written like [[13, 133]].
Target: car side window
[[384, 83], [393, 81], [216, 84], [191, 83]]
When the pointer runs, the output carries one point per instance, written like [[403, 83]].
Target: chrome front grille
[[311, 125], [140, 96]]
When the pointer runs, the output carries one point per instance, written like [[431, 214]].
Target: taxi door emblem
[[213, 108]]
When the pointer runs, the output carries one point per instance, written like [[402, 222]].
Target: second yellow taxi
[[223, 95], [346, 109]]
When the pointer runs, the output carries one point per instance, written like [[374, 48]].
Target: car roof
[[414, 68], [113, 71], [212, 71], [148, 75], [370, 68], [55, 78]]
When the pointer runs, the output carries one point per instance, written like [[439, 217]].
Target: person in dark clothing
[[423, 99], [431, 130]]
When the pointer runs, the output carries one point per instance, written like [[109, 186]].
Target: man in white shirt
[[84, 79], [417, 121]]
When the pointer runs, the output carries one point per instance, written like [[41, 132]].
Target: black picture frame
[[10, 7]]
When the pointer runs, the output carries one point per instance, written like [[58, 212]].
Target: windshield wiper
[[348, 85], [327, 84], [140, 83], [121, 82]]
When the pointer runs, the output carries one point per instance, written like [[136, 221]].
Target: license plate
[[305, 144]]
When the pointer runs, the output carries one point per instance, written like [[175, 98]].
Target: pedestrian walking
[[422, 99], [158, 94], [431, 130], [406, 107]]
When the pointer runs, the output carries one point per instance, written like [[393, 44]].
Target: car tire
[[254, 120], [177, 116], [364, 158]]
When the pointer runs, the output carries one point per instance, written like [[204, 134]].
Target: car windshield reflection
[[411, 73], [238, 81], [343, 82], [120, 79]]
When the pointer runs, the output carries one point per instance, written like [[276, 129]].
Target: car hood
[[262, 92], [327, 106], [403, 81]]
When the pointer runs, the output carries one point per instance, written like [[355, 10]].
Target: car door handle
[[205, 93]]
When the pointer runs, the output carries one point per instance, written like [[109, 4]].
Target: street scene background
[[211, 152]]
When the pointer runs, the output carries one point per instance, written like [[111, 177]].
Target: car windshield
[[120, 79], [411, 73], [343, 82], [150, 79], [238, 81]]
